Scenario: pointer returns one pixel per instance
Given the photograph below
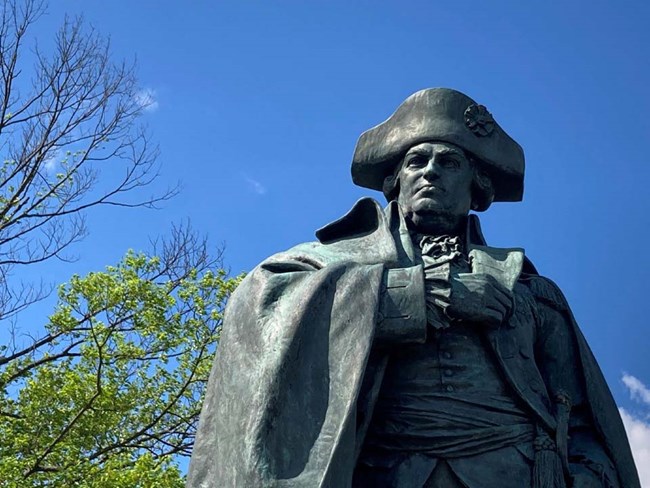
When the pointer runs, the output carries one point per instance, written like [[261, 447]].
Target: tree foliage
[[110, 394]]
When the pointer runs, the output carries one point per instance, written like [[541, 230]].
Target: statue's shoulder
[[365, 217], [336, 240], [362, 236]]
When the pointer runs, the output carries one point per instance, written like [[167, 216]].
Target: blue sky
[[258, 106]]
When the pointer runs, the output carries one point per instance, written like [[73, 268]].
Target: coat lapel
[[370, 234], [507, 341], [503, 264]]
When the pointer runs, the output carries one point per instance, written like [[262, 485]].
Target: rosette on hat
[[441, 115]]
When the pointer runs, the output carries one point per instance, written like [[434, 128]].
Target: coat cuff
[[402, 317]]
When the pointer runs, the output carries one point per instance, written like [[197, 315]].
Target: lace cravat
[[442, 257]]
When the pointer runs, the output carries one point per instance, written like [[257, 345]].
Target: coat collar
[[368, 233], [366, 216]]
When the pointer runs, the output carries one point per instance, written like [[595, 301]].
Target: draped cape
[[298, 369]]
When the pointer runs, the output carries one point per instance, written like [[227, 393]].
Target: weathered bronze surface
[[400, 350]]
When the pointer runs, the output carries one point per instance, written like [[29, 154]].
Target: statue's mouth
[[431, 189]]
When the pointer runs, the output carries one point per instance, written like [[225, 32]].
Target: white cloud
[[49, 164], [52, 161], [255, 185], [638, 391], [146, 98], [638, 426], [638, 433]]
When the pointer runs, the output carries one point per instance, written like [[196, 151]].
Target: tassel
[[547, 470], [563, 410]]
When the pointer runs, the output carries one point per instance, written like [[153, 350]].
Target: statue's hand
[[480, 298], [586, 480], [583, 477]]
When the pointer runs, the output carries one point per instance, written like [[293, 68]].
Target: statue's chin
[[435, 222]]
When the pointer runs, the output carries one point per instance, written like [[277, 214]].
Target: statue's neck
[[437, 225]]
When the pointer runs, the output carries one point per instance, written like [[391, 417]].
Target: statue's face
[[435, 186]]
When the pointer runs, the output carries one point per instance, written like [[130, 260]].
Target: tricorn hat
[[445, 115]]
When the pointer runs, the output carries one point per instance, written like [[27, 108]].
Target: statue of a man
[[400, 350]]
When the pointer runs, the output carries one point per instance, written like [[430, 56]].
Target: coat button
[[446, 355], [450, 388], [448, 372]]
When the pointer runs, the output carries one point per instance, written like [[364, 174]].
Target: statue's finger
[[493, 317], [498, 307], [504, 297]]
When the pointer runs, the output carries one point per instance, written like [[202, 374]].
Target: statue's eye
[[417, 162], [450, 163]]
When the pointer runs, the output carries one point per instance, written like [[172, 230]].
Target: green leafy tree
[[109, 395]]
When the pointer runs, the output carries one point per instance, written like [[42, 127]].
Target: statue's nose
[[431, 170]]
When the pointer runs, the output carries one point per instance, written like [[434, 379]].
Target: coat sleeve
[[597, 444], [280, 404]]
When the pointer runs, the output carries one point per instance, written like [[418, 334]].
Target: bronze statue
[[400, 350]]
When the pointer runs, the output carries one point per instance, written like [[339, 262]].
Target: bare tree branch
[[71, 143]]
